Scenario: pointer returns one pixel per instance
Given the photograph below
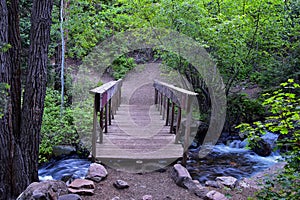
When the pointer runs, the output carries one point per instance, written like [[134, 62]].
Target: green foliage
[[257, 40], [83, 119], [247, 39], [121, 66], [57, 128], [4, 47], [284, 107], [241, 108], [284, 186], [3, 98]]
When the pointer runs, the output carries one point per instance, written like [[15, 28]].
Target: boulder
[[189, 184], [96, 172], [195, 187], [70, 197], [83, 191], [200, 191], [214, 195], [262, 148], [82, 151], [47, 190], [201, 132], [249, 183], [116, 198], [212, 184], [228, 181], [82, 183], [120, 184], [60, 150], [180, 174], [82, 187]]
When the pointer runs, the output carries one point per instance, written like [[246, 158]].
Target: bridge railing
[[169, 96], [107, 99]]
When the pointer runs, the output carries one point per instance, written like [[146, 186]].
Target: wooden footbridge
[[141, 132]]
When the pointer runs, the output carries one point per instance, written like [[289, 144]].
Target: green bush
[[284, 119], [57, 128], [241, 108], [83, 119], [121, 66]]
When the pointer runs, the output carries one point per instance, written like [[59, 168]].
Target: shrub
[[284, 119], [241, 108], [57, 128], [121, 66]]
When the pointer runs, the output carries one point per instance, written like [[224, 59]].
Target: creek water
[[224, 160], [72, 166], [229, 161]]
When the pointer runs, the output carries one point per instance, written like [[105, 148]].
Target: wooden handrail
[[107, 98], [182, 98]]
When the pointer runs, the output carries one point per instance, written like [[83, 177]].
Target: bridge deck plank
[[127, 138]]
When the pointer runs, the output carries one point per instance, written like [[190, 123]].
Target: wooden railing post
[[164, 107], [168, 111], [155, 97], [101, 118], [106, 118], [109, 112], [172, 117], [187, 128], [161, 103], [178, 125]]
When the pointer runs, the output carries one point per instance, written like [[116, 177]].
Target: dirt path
[[137, 86]]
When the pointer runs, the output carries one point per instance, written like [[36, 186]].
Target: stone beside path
[[50, 190], [182, 178], [70, 197], [81, 188], [120, 184], [96, 172], [44, 190]]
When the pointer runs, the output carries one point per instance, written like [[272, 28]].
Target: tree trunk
[[13, 179], [4, 121], [14, 63], [20, 134], [35, 87]]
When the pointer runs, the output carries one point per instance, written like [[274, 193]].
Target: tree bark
[[14, 63], [4, 125], [20, 130], [35, 87], [13, 179]]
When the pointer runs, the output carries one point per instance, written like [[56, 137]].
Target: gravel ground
[[157, 184], [161, 186]]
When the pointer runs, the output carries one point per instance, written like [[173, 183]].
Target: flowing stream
[[68, 166], [232, 160]]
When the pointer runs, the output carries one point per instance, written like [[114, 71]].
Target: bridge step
[[138, 152], [138, 133]]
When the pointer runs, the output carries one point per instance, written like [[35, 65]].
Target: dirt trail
[[137, 86]]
